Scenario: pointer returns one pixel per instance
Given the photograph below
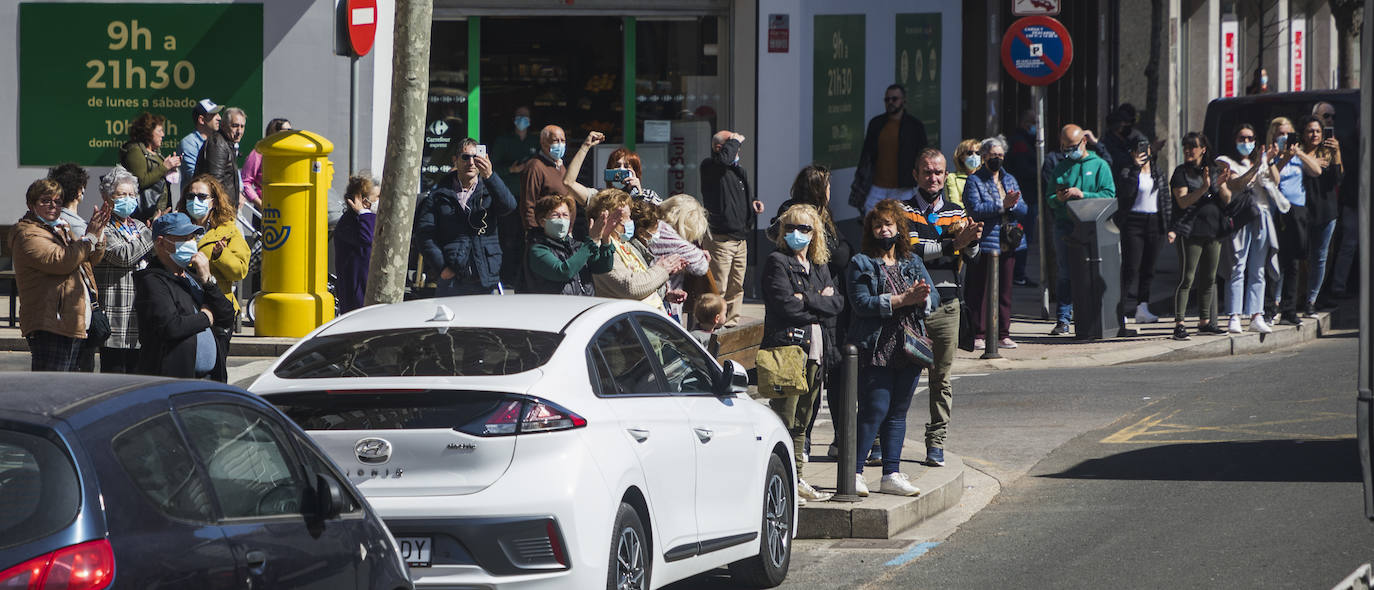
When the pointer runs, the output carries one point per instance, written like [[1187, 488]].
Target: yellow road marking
[[1157, 424]]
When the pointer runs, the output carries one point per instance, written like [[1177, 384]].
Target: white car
[[546, 441]]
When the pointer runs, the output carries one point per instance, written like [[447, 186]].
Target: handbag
[[98, 328], [917, 347], [782, 371], [1010, 234]]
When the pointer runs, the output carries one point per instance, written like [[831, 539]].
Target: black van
[[1223, 114]]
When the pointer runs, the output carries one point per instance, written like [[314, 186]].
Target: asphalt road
[[1236, 472]]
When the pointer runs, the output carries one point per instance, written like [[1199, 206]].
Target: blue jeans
[[1247, 270], [1316, 259], [450, 287], [1063, 283], [884, 397]]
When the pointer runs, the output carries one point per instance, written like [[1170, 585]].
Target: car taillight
[[87, 566], [523, 416]]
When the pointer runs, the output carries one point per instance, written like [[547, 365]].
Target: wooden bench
[[8, 276], [740, 343]]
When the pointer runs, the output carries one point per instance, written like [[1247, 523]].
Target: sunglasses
[[468, 157], [891, 98], [198, 195], [49, 202], [803, 228]]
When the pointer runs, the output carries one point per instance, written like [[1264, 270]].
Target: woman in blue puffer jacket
[[993, 197]]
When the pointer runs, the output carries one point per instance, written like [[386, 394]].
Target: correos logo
[[274, 235]]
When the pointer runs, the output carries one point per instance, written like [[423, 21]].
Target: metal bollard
[[990, 298], [846, 427]]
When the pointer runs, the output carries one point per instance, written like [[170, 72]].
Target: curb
[[883, 516], [1248, 342], [239, 346]]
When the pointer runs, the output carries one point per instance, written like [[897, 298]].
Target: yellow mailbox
[[296, 175]]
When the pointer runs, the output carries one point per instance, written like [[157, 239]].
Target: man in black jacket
[[457, 227], [891, 144], [179, 312], [731, 212], [220, 154]]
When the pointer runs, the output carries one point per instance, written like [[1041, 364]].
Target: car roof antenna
[[442, 314]]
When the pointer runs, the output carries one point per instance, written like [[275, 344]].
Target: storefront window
[[681, 98], [447, 111]]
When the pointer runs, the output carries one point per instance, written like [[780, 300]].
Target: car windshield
[[39, 488], [420, 352]]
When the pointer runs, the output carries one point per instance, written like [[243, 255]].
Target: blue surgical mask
[[125, 206], [1077, 154], [1264, 80], [52, 223], [198, 208], [185, 252], [522, 123], [629, 232], [1033, 129], [973, 161], [1245, 147], [557, 150], [797, 240], [556, 227]]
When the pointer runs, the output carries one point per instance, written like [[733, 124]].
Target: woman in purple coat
[[353, 241]]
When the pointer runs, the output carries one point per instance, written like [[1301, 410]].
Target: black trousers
[[1140, 238], [1293, 236], [118, 360]]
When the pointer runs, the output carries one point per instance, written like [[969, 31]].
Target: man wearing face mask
[[543, 175], [510, 155], [1081, 174], [732, 213], [457, 225], [178, 302], [219, 156]]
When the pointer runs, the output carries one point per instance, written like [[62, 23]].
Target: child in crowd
[[707, 315]]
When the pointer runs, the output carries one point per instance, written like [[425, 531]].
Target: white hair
[[991, 142], [114, 178]]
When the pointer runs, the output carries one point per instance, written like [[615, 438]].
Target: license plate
[[416, 550]]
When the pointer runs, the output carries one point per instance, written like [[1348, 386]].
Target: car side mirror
[[733, 379], [329, 497]]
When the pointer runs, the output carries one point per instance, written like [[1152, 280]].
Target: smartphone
[[615, 176], [482, 150], [1142, 145], [1294, 138], [1328, 132]]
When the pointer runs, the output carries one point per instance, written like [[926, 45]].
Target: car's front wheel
[[630, 562], [769, 567]]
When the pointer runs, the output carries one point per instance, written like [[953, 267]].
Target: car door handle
[[639, 434], [257, 561], [704, 434]]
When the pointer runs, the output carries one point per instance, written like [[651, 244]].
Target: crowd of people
[[146, 282]]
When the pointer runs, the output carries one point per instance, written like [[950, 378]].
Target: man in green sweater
[[1080, 175]]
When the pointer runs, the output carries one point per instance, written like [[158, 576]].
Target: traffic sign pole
[[1038, 97]]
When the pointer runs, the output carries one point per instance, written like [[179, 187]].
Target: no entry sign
[[1036, 50], [362, 25]]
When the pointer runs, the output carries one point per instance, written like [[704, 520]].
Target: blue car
[[114, 481]]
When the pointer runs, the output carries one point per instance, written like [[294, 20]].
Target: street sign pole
[[1038, 97]]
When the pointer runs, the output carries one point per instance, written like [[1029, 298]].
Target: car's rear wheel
[[630, 562], [769, 567]]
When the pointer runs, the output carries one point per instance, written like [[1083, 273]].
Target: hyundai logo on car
[[373, 451]]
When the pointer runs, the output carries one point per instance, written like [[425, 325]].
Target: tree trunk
[[386, 275], [1347, 41]]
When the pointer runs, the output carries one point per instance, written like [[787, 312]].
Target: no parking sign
[[1036, 50]]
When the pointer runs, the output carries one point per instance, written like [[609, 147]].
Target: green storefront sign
[[837, 108], [918, 68], [87, 70]]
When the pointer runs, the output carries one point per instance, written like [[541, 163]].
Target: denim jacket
[[870, 301]]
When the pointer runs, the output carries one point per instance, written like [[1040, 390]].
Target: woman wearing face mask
[[993, 197], [800, 303], [633, 275], [127, 243], [1292, 168], [623, 171], [179, 306], [208, 206], [890, 292], [52, 271], [1256, 238], [353, 241], [557, 262], [681, 227], [649, 229], [967, 159]]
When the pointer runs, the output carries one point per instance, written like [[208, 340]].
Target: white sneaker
[[809, 494], [860, 486], [1233, 326], [1143, 315], [1258, 324], [898, 484], [979, 344], [805, 457]]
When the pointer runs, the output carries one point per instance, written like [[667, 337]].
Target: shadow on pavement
[[1263, 460]]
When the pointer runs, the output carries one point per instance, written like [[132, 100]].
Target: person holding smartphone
[[1290, 170], [1196, 230], [1143, 212], [1323, 203], [623, 171]]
